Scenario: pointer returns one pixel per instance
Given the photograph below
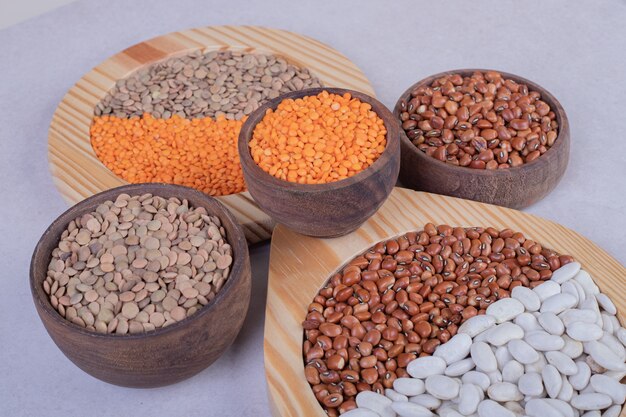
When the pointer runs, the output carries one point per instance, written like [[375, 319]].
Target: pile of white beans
[[554, 351]]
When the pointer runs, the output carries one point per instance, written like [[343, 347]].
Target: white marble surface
[[574, 49]]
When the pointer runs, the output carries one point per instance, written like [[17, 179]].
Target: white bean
[[523, 352], [426, 401], [527, 321], [531, 384], [563, 407], [360, 412], [409, 386], [543, 341], [558, 303], [573, 348], [565, 273], [409, 409], [584, 332], [585, 280], [609, 386], [504, 391], [581, 378], [395, 396], [540, 408], [612, 411], [551, 380], [605, 302], [547, 290], [615, 345], [527, 297], [503, 333], [591, 401], [477, 324], [512, 371], [573, 315], [483, 357], [551, 323], [503, 356], [426, 366], [375, 402], [479, 379], [505, 309], [455, 349], [567, 391], [470, 396], [442, 387], [459, 368], [490, 408], [562, 362]]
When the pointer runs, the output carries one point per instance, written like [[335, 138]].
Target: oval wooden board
[[77, 172], [300, 265]]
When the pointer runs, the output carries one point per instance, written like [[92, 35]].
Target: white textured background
[[574, 49]]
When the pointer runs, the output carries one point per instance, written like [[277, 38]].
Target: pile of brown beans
[[403, 298], [483, 121]]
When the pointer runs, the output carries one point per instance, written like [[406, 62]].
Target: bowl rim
[[391, 125], [555, 106], [237, 242]]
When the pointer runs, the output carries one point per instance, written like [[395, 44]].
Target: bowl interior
[[255, 117], [558, 146], [49, 240]]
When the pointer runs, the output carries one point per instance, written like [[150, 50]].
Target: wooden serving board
[[300, 265], [77, 172]]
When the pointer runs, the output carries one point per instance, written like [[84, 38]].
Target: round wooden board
[[300, 265], [77, 172]]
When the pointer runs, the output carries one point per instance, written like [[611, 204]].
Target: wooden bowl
[[76, 170], [166, 355], [301, 265], [323, 210], [516, 187]]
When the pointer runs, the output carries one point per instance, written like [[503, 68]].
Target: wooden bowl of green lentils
[[142, 285]]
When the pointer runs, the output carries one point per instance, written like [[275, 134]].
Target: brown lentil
[[406, 296], [228, 83], [483, 121], [118, 269]]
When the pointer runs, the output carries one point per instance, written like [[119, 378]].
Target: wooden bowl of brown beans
[[482, 135], [120, 316]]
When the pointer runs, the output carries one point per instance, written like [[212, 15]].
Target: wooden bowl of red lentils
[[320, 161], [114, 311], [482, 135]]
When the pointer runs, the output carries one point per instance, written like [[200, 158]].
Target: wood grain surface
[[77, 172], [516, 187], [300, 265], [323, 210], [166, 355]]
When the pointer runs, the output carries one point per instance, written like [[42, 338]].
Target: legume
[[520, 377], [403, 298], [318, 139], [198, 153], [137, 264], [482, 121], [225, 83]]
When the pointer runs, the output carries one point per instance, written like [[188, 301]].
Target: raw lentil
[[218, 83], [198, 153], [318, 139], [143, 286], [482, 121], [403, 298]]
